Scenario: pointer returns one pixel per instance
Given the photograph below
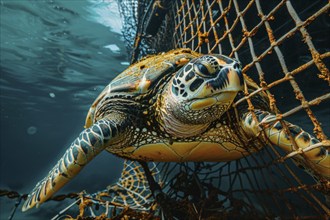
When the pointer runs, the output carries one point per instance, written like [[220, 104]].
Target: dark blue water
[[56, 56]]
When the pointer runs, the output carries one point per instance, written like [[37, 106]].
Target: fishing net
[[284, 48]]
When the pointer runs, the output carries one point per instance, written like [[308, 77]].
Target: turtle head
[[203, 89]]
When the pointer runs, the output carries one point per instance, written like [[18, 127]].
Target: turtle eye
[[202, 70]]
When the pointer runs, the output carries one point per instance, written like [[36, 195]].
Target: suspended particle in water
[[124, 63], [31, 130], [113, 47], [52, 95]]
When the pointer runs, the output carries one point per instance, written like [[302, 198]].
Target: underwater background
[[56, 57]]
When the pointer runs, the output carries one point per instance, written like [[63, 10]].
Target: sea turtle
[[177, 106]]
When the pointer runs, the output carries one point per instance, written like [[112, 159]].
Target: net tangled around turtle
[[284, 47]]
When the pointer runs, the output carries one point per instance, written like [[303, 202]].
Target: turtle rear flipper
[[314, 160], [88, 145]]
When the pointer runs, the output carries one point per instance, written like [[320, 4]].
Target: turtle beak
[[91, 113], [220, 90], [229, 80]]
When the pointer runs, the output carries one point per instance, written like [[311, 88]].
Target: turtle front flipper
[[89, 144], [315, 160]]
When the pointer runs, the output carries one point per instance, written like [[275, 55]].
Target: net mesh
[[284, 48]]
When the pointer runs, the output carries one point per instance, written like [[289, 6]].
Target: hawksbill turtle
[[177, 106]]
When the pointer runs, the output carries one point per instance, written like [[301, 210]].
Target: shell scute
[[143, 75]]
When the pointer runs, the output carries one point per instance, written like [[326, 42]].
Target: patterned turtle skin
[[177, 106]]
